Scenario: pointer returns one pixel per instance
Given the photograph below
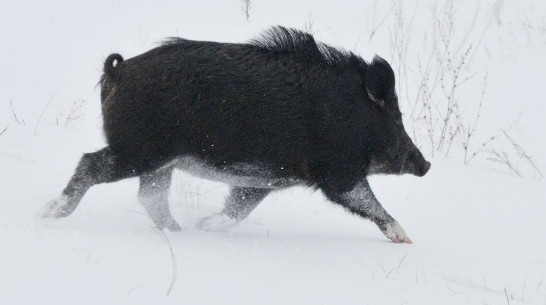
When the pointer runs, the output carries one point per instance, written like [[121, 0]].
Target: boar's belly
[[239, 174]]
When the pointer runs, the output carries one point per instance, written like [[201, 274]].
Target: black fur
[[283, 40], [284, 105]]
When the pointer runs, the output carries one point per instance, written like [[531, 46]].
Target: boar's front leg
[[361, 201], [153, 194]]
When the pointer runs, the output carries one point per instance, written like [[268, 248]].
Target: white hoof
[[56, 208], [396, 233], [219, 222]]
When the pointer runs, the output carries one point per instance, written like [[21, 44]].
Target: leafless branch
[[42, 114]]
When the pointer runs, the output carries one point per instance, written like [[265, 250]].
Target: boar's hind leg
[[153, 194], [361, 200], [239, 204], [243, 200], [94, 168]]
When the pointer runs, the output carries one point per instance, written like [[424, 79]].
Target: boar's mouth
[[417, 169], [406, 164]]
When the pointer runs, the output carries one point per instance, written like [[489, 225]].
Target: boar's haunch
[[278, 111]]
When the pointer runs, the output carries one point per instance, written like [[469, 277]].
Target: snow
[[478, 229]]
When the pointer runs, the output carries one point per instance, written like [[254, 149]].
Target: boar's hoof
[[396, 233], [218, 222], [170, 225], [57, 208], [163, 220]]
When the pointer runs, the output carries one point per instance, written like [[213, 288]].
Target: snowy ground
[[479, 231]]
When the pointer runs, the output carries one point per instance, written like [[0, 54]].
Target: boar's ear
[[379, 81]]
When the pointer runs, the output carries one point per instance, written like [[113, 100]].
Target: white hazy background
[[471, 79]]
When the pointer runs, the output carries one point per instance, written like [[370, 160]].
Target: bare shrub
[[42, 114], [73, 114], [246, 8], [308, 24], [14, 114], [517, 159], [434, 66], [441, 71], [375, 24]]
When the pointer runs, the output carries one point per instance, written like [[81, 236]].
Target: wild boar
[[278, 111]]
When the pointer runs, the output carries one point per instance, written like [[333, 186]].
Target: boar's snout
[[416, 163], [424, 169]]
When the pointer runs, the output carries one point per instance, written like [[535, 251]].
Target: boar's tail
[[109, 72], [109, 68]]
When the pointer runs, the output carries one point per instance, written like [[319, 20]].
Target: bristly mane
[[286, 40]]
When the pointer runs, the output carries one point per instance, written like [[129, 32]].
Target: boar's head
[[393, 151]]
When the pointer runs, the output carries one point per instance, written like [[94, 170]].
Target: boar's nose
[[424, 169]]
